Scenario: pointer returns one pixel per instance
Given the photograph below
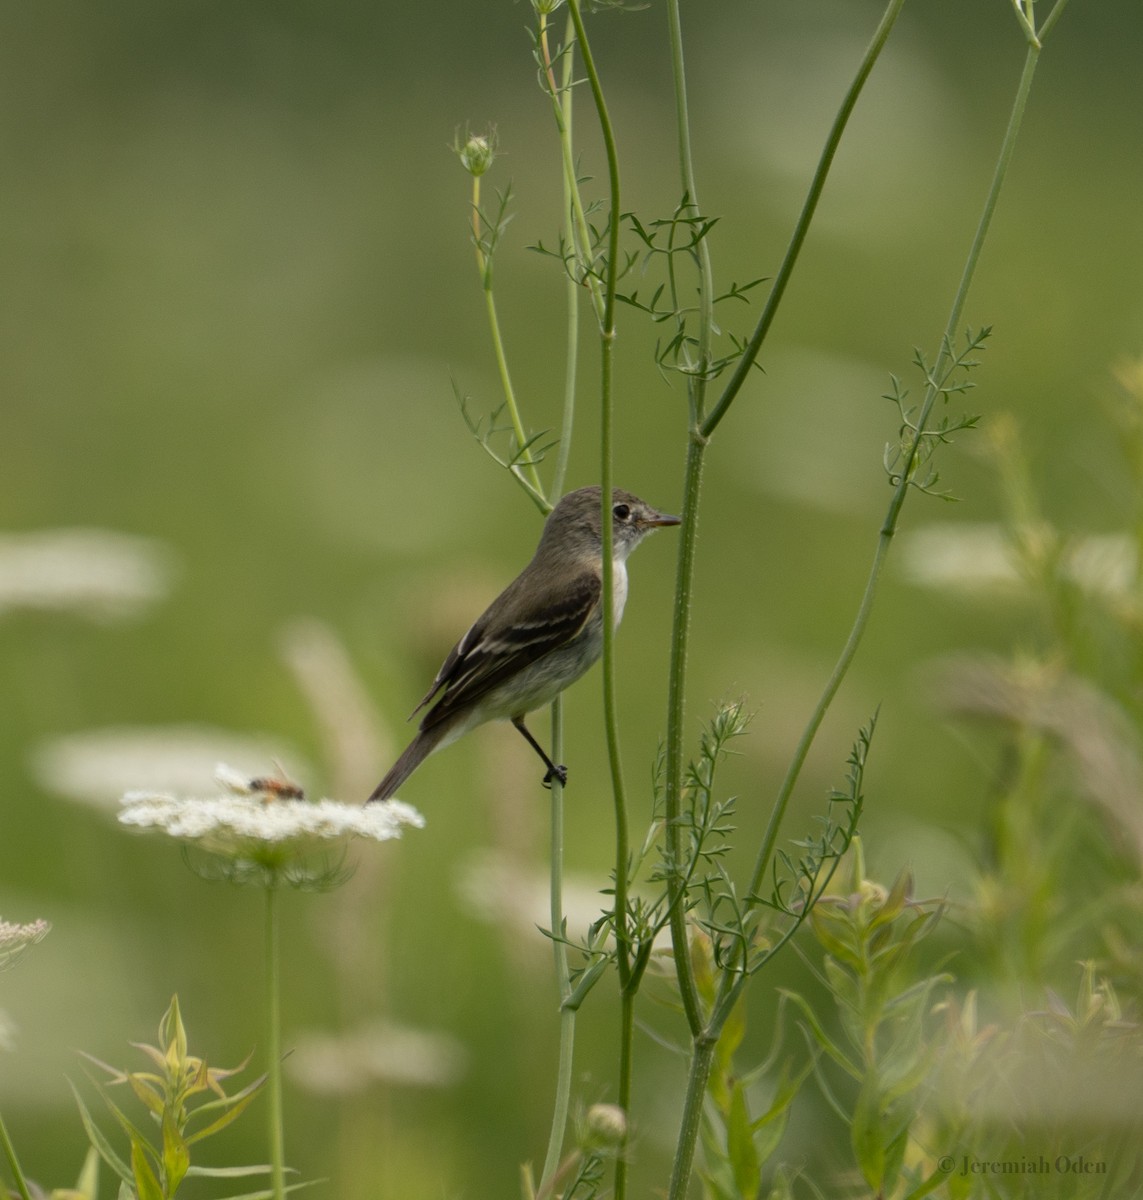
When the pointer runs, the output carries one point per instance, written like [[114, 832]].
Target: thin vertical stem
[[684, 581], [696, 382], [1050, 20], [527, 474], [565, 108], [607, 370], [676, 707], [560, 951], [563, 100], [626, 1069], [13, 1162], [702, 1057], [704, 1030], [809, 733], [688, 536], [579, 238], [627, 982], [607, 322], [274, 1044]]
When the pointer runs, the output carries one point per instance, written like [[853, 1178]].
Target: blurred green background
[[238, 287]]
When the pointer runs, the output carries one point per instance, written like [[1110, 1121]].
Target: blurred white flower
[[15, 939], [516, 897], [973, 558], [502, 891], [985, 558], [96, 573], [272, 833], [379, 1052], [98, 766]]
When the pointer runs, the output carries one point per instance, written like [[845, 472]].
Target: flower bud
[[605, 1128], [476, 152]]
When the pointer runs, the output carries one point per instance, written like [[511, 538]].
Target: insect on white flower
[[267, 787]]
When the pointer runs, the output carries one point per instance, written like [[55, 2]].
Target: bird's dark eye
[[622, 512]]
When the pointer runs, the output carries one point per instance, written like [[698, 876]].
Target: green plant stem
[[705, 1032], [731, 986], [892, 516], [13, 1162], [628, 983], [841, 667], [527, 474], [805, 217], [688, 536], [274, 1045], [626, 1073], [692, 488], [702, 1057], [565, 109], [1050, 20], [563, 974], [578, 233], [696, 382], [560, 951], [606, 388], [676, 712]]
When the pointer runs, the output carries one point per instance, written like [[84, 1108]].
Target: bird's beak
[[657, 519]]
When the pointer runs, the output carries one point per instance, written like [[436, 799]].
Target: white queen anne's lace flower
[[257, 828], [15, 939]]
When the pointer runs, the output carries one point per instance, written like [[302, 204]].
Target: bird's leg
[[555, 771]]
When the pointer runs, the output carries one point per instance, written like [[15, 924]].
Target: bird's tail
[[415, 753]]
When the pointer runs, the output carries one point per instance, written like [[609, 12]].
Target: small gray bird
[[538, 636]]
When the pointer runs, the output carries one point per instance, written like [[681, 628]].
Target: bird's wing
[[478, 662]]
